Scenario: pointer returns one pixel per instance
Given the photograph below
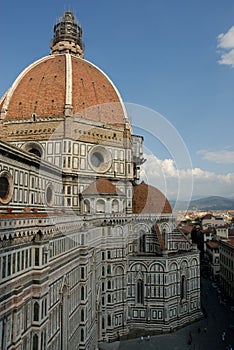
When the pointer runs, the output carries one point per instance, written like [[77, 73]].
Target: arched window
[[42, 309], [35, 342], [109, 320], [45, 307], [36, 257], [183, 288], [103, 323], [119, 283], [115, 206], [109, 298], [109, 284], [82, 317], [86, 206], [100, 206], [142, 242], [140, 292], [82, 293], [42, 339], [82, 334], [103, 270], [124, 206], [36, 311], [165, 236], [108, 269], [82, 272]]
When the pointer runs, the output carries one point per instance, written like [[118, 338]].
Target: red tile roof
[[186, 228], [212, 244], [207, 216], [231, 241], [101, 186], [149, 200], [31, 215]]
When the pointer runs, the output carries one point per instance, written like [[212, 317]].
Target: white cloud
[[226, 40], [226, 44], [227, 58], [164, 175], [221, 157]]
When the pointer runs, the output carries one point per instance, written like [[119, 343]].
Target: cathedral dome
[[64, 84], [148, 199], [63, 81]]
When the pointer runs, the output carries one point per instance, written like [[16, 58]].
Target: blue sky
[[174, 57]]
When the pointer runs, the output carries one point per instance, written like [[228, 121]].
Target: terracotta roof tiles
[[149, 200], [212, 245], [101, 186]]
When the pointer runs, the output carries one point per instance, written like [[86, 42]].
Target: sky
[[173, 59]]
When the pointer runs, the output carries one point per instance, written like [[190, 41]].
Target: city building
[[87, 252], [205, 236], [222, 231], [226, 250], [212, 251], [210, 220]]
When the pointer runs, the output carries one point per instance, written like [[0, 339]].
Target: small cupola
[[67, 36]]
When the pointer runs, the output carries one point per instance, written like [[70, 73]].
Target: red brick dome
[[149, 200], [63, 81]]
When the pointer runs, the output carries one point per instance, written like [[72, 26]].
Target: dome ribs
[[94, 95]]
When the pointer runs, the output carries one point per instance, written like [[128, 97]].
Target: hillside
[[207, 203], [212, 203]]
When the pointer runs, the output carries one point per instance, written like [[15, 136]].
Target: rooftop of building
[[148, 199], [212, 244], [101, 186]]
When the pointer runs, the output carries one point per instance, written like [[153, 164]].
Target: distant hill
[[212, 203], [207, 203]]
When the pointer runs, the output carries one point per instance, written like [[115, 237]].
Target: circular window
[[49, 195], [97, 159], [6, 187], [100, 159]]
